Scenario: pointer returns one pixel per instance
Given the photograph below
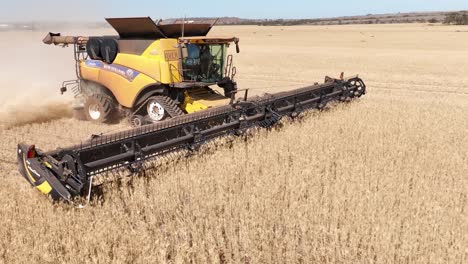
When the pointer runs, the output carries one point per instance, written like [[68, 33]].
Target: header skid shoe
[[33, 166]]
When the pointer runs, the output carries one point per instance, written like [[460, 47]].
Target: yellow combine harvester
[[150, 71]]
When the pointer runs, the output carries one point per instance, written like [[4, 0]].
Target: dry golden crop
[[383, 179]]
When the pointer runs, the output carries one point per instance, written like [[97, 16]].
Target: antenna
[[183, 27]]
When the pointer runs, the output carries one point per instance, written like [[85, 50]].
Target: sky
[[96, 10]]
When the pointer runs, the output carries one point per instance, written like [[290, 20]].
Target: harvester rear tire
[[99, 108]]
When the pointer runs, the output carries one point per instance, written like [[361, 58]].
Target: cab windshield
[[204, 63]]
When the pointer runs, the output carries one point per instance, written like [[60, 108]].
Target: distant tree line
[[458, 18], [343, 21]]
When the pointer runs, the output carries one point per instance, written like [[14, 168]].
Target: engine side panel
[[130, 73], [125, 83], [167, 53]]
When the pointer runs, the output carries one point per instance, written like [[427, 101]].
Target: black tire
[[99, 108], [109, 50], [79, 114], [93, 47]]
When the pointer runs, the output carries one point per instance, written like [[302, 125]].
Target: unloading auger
[[68, 172]]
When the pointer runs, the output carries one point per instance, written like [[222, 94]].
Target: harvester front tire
[[79, 114], [99, 108]]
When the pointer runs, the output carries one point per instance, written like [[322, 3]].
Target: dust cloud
[[31, 74], [22, 116]]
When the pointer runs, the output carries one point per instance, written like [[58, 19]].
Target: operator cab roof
[[146, 28]]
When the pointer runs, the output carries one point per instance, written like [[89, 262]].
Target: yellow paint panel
[[202, 98], [166, 52], [192, 107], [47, 164], [124, 91], [45, 187], [145, 65], [88, 73]]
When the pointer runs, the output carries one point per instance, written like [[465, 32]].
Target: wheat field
[[383, 179]]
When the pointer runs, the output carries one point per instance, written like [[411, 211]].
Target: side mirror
[[236, 41]]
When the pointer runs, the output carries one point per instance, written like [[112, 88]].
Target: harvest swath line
[[418, 90]]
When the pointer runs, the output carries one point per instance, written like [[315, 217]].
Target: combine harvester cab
[[69, 172]]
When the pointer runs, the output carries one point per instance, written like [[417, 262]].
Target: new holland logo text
[[31, 169], [125, 72]]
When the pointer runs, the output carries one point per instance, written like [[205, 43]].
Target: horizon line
[[235, 17]]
